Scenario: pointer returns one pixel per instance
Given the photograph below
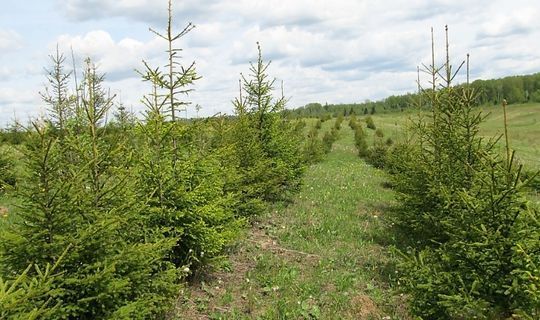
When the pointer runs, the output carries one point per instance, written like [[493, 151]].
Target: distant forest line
[[515, 89]]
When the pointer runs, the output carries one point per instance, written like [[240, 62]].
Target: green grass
[[523, 130], [317, 258], [7, 200], [8, 213]]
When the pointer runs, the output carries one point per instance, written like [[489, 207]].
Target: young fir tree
[[60, 102], [112, 269], [328, 139], [339, 120], [124, 119], [313, 148], [360, 140], [183, 185], [353, 122], [474, 236], [267, 146], [29, 297], [8, 177]]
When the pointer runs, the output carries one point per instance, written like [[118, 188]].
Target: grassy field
[[524, 130], [8, 204], [317, 258]]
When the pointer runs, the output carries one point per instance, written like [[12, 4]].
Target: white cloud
[[140, 10], [335, 51], [12, 95], [9, 40], [18, 103], [118, 59], [5, 73]]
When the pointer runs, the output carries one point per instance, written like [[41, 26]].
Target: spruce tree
[[29, 297], [473, 234], [184, 187], [60, 102], [86, 206], [264, 139]]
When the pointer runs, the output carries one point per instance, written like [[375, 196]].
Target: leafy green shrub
[[318, 124], [379, 133]]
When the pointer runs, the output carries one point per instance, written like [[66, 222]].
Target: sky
[[339, 51]]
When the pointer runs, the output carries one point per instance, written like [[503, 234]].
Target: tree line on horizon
[[514, 89]]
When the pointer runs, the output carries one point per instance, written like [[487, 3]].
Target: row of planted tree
[[114, 216], [467, 239]]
